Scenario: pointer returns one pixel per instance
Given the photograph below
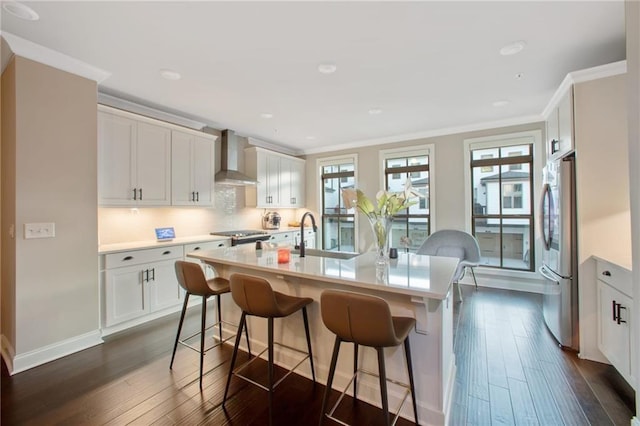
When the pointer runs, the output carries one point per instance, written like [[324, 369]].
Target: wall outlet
[[39, 230]]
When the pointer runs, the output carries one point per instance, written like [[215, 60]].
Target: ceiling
[[427, 66]]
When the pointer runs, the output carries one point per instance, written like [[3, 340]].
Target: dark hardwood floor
[[509, 372]]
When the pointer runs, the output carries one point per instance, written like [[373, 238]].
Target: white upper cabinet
[[560, 128], [191, 170], [280, 179], [153, 165], [297, 182], [146, 162]]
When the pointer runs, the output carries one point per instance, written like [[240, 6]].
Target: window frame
[[427, 150], [533, 137], [336, 161]]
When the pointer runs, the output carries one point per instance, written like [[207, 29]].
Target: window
[[338, 230], [412, 226], [487, 169], [502, 204], [515, 166]]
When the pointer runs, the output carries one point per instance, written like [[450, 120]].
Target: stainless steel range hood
[[229, 174]]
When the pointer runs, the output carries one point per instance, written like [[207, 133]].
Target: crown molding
[[516, 121], [273, 147], [141, 109], [601, 71], [35, 52]]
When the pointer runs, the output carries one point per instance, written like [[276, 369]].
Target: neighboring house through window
[[412, 226], [338, 223], [502, 204]]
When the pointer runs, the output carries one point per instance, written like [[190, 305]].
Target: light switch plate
[[39, 230]]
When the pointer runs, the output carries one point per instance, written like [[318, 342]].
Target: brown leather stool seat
[[365, 320], [255, 297], [192, 279]]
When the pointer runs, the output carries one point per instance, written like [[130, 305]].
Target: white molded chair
[[454, 243]]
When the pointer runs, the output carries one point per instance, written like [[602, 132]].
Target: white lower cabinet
[[615, 318], [140, 282], [209, 272], [141, 285], [292, 237]]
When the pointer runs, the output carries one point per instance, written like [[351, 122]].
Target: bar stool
[[192, 279], [255, 297], [365, 320]]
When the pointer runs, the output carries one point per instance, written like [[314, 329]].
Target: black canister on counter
[[258, 245]]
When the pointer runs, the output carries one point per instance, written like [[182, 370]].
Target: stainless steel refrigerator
[[559, 258]]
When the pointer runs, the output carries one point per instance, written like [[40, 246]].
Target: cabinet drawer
[[136, 257], [208, 245], [616, 276]]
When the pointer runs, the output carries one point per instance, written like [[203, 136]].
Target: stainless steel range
[[244, 236]]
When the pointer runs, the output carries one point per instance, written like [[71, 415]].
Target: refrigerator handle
[[545, 273], [546, 231]]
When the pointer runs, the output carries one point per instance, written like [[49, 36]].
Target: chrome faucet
[[315, 229]]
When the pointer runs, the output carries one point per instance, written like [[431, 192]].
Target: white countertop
[[135, 245], [410, 274]]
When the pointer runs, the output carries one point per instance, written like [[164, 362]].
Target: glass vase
[[381, 227]]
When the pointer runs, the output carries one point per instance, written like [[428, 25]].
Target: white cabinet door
[[273, 180], [614, 322], [203, 170], [164, 290], [297, 183], [116, 147], [285, 182], [181, 188], [191, 170], [125, 294], [134, 162], [565, 123], [153, 165], [280, 179], [560, 128]]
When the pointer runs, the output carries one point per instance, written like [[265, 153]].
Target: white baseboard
[[528, 282], [27, 360], [8, 353]]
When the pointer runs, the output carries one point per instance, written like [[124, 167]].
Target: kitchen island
[[413, 285]]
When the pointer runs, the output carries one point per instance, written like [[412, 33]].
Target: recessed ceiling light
[[170, 74], [375, 111], [500, 103], [20, 10], [327, 68], [513, 48], [266, 115], [519, 76]]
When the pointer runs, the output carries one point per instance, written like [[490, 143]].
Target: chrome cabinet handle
[[135, 194], [124, 259], [166, 252], [606, 273], [140, 194], [197, 196]]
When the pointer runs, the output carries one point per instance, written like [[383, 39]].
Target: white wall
[[632, 11], [602, 175], [53, 148]]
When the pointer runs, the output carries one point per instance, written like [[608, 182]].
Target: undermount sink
[[327, 253]]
